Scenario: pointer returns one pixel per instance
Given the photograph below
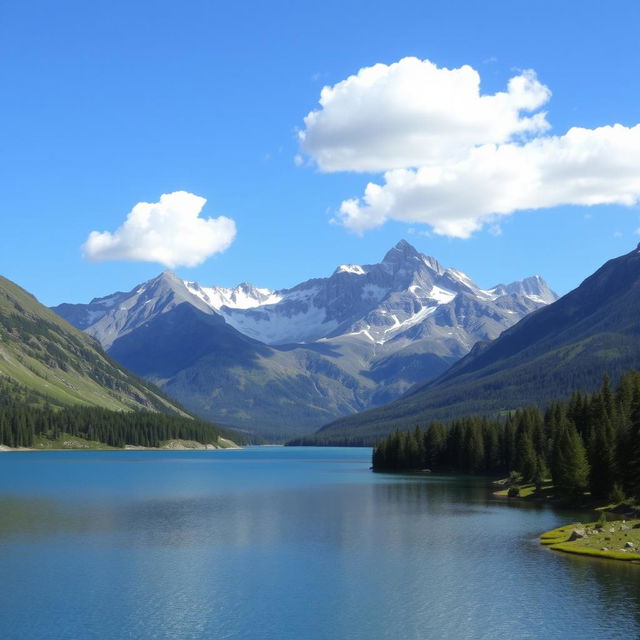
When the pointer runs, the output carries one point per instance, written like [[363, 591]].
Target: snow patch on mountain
[[244, 296], [441, 296], [350, 268], [272, 325]]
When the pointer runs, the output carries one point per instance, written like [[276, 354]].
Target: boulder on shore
[[576, 534]]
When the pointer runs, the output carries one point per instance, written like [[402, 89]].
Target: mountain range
[[285, 362], [568, 345]]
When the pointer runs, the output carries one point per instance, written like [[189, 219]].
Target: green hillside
[[55, 362]]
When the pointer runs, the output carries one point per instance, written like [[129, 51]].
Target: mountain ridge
[[567, 345], [323, 348]]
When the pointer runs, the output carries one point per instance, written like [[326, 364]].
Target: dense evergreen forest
[[589, 443], [23, 417]]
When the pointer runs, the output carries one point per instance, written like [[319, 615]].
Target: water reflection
[[37, 517], [262, 546]]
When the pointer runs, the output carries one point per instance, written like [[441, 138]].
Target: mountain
[[566, 346], [108, 318], [382, 302], [287, 361], [62, 365]]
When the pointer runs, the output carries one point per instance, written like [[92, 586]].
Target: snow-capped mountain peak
[[405, 296], [243, 296], [381, 302], [534, 288]]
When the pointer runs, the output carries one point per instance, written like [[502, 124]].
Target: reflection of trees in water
[[26, 517], [430, 491]]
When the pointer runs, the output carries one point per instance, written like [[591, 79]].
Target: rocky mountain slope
[[568, 345], [287, 361]]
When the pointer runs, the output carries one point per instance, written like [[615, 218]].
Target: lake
[[285, 543]]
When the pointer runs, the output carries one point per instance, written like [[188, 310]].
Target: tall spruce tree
[[602, 444], [570, 468]]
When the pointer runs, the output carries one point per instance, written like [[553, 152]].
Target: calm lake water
[[285, 543]]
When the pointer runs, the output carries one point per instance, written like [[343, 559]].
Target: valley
[[284, 363]]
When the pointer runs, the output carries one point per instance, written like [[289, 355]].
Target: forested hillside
[[22, 420], [590, 442]]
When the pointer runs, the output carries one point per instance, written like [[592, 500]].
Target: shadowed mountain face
[[111, 317], [568, 345], [288, 361]]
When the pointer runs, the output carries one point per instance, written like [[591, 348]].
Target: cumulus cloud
[[170, 232], [413, 113], [455, 159], [583, 167]]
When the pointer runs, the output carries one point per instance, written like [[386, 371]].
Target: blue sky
[[108, 104]]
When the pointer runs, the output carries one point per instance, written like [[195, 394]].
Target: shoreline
[[171, 445], [617, 539], [546, 495], [614, 540]]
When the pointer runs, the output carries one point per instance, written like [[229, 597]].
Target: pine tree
[[601, 449], [571, 468], [632, 475], [435, 440], [527, 460]]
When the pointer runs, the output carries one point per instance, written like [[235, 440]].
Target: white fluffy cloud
[[583, 167], [454, 159], [412, 113], [170, 232]]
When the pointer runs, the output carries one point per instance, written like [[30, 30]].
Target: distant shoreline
[[171, 445]]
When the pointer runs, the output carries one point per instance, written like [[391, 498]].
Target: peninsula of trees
[[589, 443]]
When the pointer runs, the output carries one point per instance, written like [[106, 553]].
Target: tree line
[[590, 442], [20, 424]]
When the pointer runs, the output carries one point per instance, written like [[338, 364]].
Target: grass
[[602, 541], [43, 353], [67, 441], [548, 494], [526, 491]]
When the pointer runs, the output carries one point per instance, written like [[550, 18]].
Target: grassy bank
[[68, 442], [613, 539], [548, 494], [528, 491], [616, 540]]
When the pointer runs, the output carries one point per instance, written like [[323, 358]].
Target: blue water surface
[[285, 543]]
